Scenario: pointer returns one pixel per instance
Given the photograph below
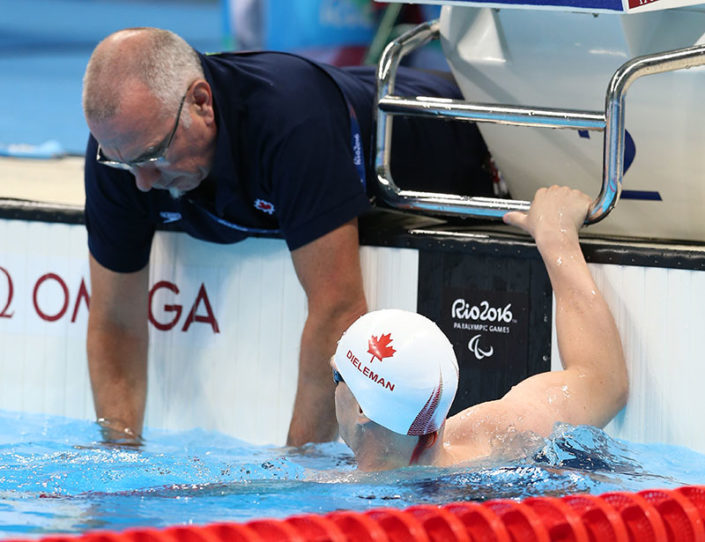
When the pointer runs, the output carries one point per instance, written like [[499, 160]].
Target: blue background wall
[[44, 47]]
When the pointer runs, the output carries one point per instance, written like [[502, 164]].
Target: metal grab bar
[[611, 122], [497, 114]]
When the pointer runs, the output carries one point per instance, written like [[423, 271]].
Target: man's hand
[[118, 433], [556, 215]]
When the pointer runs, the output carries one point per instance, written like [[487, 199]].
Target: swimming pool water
[[56, 477]]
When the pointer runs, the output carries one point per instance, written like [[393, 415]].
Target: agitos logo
[[200, 305]]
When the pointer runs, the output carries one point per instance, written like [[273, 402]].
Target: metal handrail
[[610, 121]]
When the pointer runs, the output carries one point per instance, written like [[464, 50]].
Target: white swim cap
[[401, 368]]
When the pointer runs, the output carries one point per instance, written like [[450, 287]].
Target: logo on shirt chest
[[264, 206], [168, 216]]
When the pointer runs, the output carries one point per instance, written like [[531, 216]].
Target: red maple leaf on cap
[[379, 348]]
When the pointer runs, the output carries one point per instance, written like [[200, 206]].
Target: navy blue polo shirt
[[283, 166]]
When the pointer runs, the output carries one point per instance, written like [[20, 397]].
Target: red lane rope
[[655, 515], [563, 523]]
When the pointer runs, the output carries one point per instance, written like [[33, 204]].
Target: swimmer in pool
[[396, 374]]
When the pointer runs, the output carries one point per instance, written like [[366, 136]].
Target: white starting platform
[[578, 67]]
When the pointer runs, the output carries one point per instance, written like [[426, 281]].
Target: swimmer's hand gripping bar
[[611, 122]]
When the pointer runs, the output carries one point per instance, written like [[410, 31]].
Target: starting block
[[567, 65]]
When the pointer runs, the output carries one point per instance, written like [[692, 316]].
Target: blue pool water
[[56, 477]]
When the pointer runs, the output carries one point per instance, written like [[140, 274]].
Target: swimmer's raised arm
[[593, 386]]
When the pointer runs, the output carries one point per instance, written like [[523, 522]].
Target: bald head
[[150, 58]]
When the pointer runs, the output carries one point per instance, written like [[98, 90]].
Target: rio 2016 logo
[[462, 310]]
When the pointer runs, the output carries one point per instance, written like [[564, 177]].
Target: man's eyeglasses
[[337, 377], [149, 158]]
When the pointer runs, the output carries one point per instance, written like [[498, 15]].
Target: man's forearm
[[583, 320], [588, 338], [313, 419], [329, 271], [117, 362]]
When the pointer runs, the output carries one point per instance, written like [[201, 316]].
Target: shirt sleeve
[[315, 183], [119, 229]]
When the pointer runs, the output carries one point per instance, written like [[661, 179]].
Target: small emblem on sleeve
[[264, 206]]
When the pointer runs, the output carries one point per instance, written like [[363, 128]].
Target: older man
[[396, 372], [231, 145]]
